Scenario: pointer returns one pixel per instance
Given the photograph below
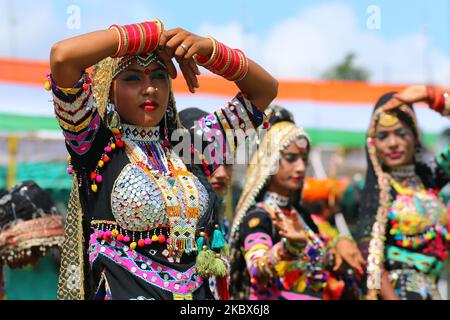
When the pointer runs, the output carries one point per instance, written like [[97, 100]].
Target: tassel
[[200, 243], [218, 241], [222, 288], [204, 261], [225, 250], [218, 267], [188, 247]]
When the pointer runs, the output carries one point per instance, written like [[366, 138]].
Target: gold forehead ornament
[[388, 119]]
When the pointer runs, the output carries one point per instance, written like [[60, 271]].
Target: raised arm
[[232, 64], [437, 99], [69, 58], [259, 85]]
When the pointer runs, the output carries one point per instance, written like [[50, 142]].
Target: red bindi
[[147, 71]]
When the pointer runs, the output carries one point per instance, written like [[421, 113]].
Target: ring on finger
[[185, 48]]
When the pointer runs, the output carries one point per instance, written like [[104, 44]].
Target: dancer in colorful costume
[[277, 252], [403, 222], [142, 218]]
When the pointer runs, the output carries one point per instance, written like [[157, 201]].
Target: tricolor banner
[[333, 112]]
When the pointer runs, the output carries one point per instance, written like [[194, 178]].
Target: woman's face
[[141, 95], [221, 178], [395, 145], [292, 167]]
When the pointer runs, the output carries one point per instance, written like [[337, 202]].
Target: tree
[[347, 71]]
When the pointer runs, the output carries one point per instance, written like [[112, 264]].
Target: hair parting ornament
[[388, 119], [144, 60], [301, 143]]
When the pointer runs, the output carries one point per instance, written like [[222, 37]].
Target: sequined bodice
[[137, 203]]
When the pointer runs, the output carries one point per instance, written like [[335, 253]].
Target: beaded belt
[[110, 230]]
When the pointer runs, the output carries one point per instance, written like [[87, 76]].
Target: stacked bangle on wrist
[[438, 100], [232, 64], [138, 38]]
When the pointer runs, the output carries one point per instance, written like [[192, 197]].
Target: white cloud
[[39, 24], [300, 47], [308, 43]]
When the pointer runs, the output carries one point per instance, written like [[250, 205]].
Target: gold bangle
[[213, 55], [120, 47], [160, 26], [247, 67], [238, 72], [221, 71], [126, 42]]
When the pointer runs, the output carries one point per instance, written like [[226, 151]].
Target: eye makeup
[[401, 133], [293, 157], [132, 75]]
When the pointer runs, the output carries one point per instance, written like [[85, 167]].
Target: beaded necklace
[[417, 190], [182, 224]]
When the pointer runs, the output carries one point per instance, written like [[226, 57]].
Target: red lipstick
[[218, 186], [297, 179], [395, 155], [150, 105]]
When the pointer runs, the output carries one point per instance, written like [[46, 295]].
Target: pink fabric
[[296, 296], [257, 238], [183, 282]]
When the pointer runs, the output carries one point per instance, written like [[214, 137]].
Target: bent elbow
[[57, 55], [274, 90], [276, 86]]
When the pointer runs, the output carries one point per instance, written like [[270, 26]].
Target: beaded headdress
[[108, 69]]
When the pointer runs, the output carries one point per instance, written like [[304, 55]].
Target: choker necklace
[[141, 134], [404, 172], [276, 199]]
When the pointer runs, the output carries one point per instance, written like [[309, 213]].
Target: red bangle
[[154, 36], [132, 39], [219, 61], [137, 38], [441, 103], [148, 36], [143, 38], [431, 93], [231, 64], [234, 66], [121, 40], [242, 73]]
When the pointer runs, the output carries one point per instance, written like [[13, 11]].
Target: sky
[[401, 41]]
